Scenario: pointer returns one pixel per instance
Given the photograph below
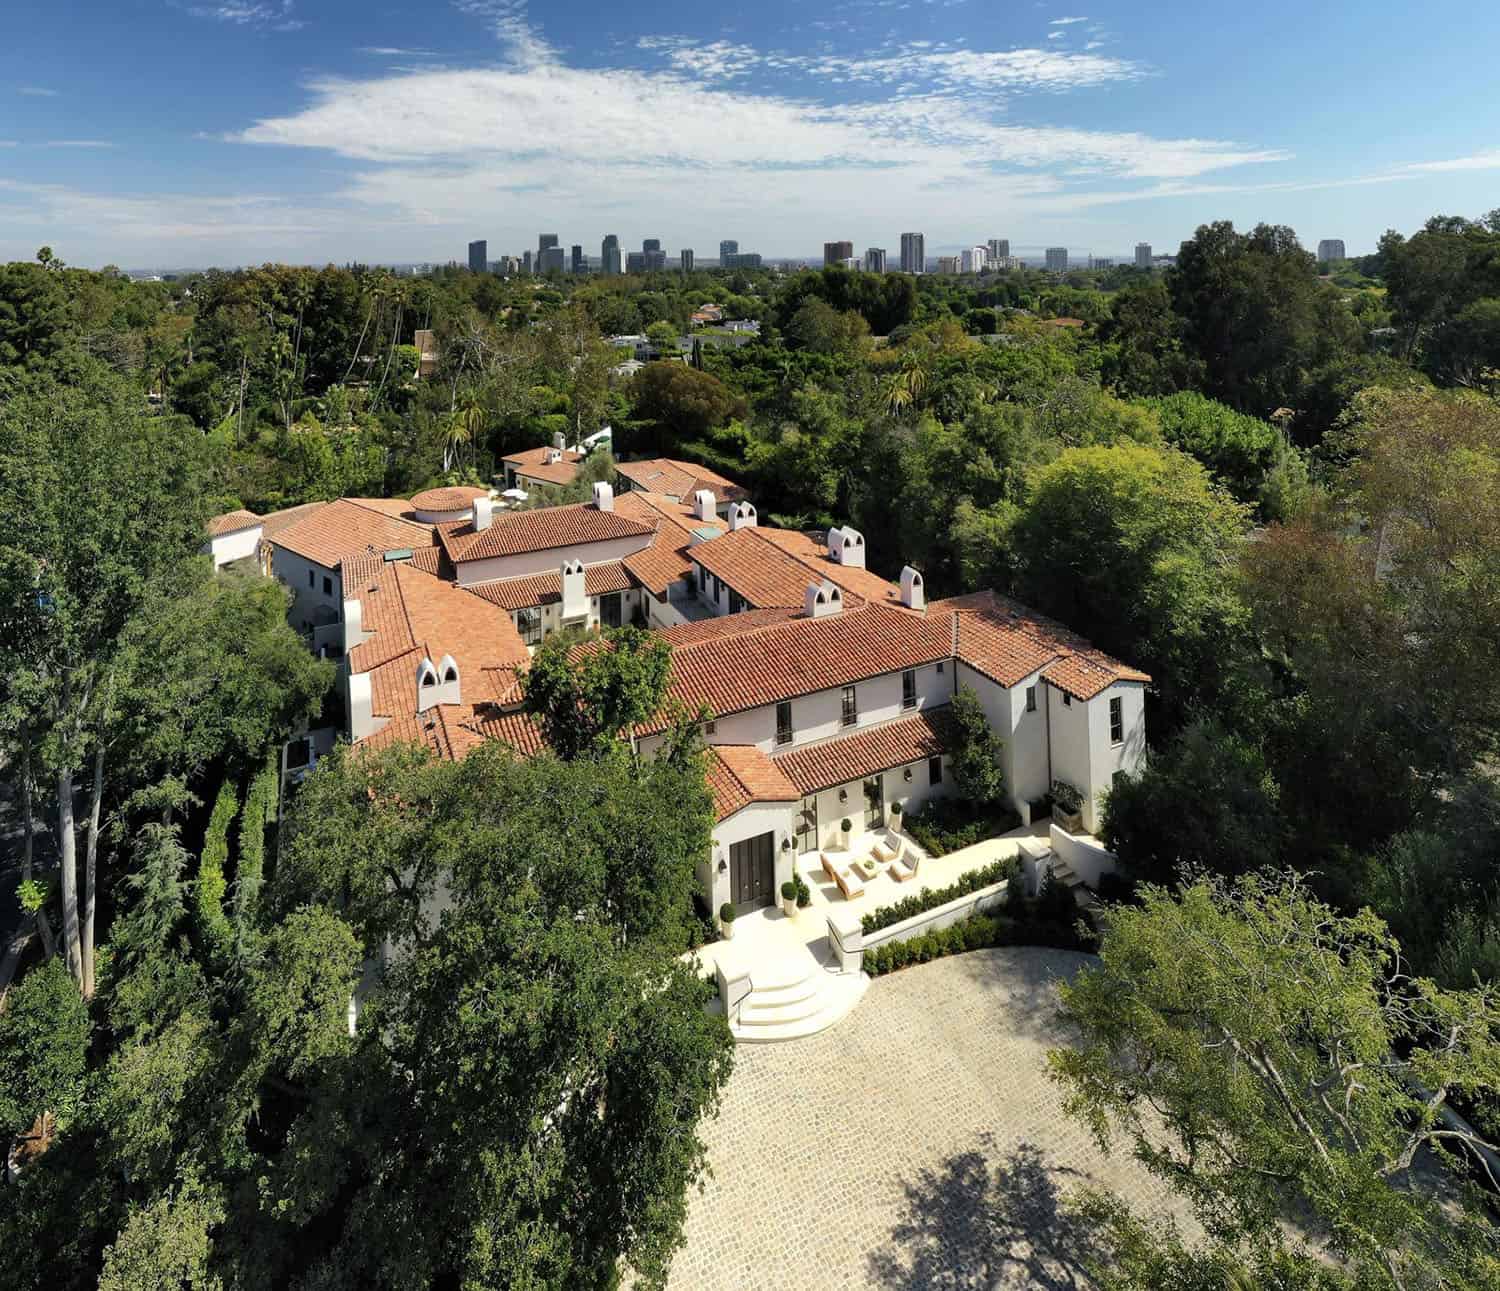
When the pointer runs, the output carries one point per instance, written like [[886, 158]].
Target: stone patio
[[918, 1144]]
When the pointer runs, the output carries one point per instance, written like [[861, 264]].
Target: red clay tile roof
[[538, 456], [524, 531], [398, 507], [739, 774], [232, 522], [350, 527], [533, 464], [726, 625], [1008, 642], [774, 567], [665, 561], [555, 473], [519, 730], [543, 589], [679, 479], [853, 757], [274, 522], [781, 660], [457, 497], [431, 560]]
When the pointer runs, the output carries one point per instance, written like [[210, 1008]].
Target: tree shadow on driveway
[[973, 1224]]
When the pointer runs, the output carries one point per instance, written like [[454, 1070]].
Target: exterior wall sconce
[[906, 775], [843, 795]]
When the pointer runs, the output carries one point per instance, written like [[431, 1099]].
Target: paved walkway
[[918, 1144]]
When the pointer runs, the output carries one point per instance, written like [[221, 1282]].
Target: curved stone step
[[837, 995]]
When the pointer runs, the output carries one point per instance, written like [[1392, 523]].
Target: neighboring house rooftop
[[525, 531], [679, 479], [232, 522], [543, 589], [454, 497], [335, 531], [665, 561], [770, 567], [273, 522], [536, 464]]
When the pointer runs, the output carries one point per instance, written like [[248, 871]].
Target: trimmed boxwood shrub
[[931, 898], [1037, 925], [947, 824]]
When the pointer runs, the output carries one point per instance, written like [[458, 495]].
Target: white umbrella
[[516, 495]]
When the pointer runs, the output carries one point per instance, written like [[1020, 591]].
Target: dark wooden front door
[[752, 871], [609, 610]]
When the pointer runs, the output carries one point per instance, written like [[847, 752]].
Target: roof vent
[[559, 441], [741, 516], [822, 599], [847, 547], [704, 505], [604, 497], [484, 514], [554, 456]]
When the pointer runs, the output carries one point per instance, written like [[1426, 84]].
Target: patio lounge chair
[[891, 849], [901, 871], [846, 879]]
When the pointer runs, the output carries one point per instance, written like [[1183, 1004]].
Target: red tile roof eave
[[897, 743]]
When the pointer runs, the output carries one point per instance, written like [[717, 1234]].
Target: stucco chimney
[[913, 592], [354, 623], [604, 497], [484, 514], [741, 516], [575, 601], [704, 504], [449, 689], [559, 441], [847, 547], [361, 706], [822, 599], [427, 685]]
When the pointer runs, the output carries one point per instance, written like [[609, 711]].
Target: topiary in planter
[[846, 826], [726, 913]]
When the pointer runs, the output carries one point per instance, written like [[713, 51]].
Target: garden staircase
[[796, 996]]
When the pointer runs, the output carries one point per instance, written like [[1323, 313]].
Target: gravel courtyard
[[918, 1144]]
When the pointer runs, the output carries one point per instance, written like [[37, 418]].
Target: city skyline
[[328, 133]]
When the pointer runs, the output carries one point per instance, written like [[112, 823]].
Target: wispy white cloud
[[37, 91], [1067, 22], [718, 60], [387, 51], [1489, 160], [273, 14], [78, 143], [1055, 35]]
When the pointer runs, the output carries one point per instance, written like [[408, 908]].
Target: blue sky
[[195, 132]]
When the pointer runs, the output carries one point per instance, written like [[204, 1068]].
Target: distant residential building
[[551, 260], [875, 260], [728, 247], [510, 266], [1101, 262], [1008, 262], [974, 259], [1142, 255], [913, 253], [478, 253], [686, 258], [580, 265], [834, 252], [609, 254], [1057, 259], [635, 262], [999, 249], [1331, 249], [948, 264], [740, 260], [526, 262]]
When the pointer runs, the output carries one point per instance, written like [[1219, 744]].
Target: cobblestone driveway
[[918, 1144]]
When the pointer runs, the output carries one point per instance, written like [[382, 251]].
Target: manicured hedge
[[1039, 924], [213, 926], [930, 898], [947, 824]]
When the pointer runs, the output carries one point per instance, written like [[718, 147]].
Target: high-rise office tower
[[975, 259], [609, 254], [999, 249], [551, 260], [875, 260], [729, 247], [526, 262], [949, 264], [913, 253], [687, 260], [1142, 255], [740, 259], [651, 244], [580, 265], [635, 262], [1057, 259], [653, 258], [837, 252], [544, 243], [478, 251], [1330, 249]]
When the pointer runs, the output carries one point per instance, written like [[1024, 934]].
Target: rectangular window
[[1116, 721], [940, 666], [327, 585], [529, 624], [784, 722], [711, 728], [909, 688], [1031, 699], [851, 707], [935, 770], [1067, 700], [702, 579], [309, 578], [736, 602]]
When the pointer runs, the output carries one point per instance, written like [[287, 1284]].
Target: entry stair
[[796, 996]]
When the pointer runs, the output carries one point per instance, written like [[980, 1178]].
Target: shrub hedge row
[[930, 898], [947, 824], [1035, 927]]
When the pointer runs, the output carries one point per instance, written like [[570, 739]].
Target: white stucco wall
[[311, 605], [757, 818], [234, 546], [911, 794], [548, 561], [1105, 757], [552, 613]]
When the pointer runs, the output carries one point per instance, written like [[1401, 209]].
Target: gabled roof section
[[527, 531], [781, 660], [544, 589], [351, 527], [273, 522], [739, 774], [770, 567], [1008, 642], [232, 522], [863, 583], [846, 758], [539, 456], [665, 561], [677, 479]]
